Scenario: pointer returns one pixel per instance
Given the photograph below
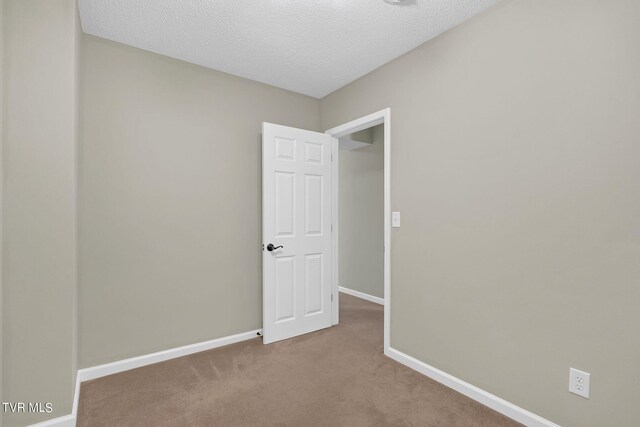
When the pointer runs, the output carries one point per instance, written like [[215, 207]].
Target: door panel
[[313, 284], [313, 205], [296, 209], [285, 195], [285, 289]]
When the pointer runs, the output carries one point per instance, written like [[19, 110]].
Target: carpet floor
[[335, 377]]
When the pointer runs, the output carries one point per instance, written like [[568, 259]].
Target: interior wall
[[170, 200], [515, 166], [361, 216], [38, 201], [1, 201]]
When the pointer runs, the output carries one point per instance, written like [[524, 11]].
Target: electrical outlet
[[579, 382]]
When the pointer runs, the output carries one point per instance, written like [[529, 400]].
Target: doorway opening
[[361, 212]]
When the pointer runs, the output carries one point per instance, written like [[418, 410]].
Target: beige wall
[[515, 148], [39, 193], [1, 201], [170, 200], [361, 216]]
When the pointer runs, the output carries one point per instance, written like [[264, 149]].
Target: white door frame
[[379, 117]]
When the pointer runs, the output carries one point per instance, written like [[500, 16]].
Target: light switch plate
[[579, 382], [395, 219]]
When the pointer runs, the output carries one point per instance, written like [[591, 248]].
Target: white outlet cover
[[579, 382]]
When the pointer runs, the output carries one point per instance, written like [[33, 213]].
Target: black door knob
[[270, 247]]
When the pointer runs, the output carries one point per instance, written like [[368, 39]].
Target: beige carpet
[[338, 376]]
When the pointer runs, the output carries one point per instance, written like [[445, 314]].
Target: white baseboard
[[94, 372], [496, 403], [66, 421], [361, 295], [487, 399], [87, 374], [76, 399]]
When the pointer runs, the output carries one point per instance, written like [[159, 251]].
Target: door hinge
[[331, 297]]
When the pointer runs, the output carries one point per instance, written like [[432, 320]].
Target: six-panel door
[[296, 213]]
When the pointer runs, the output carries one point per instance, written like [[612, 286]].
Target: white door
[[296, 231]]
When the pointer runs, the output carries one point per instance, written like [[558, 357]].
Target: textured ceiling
[[308, 46]]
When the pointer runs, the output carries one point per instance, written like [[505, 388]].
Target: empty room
[[320, 213]]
